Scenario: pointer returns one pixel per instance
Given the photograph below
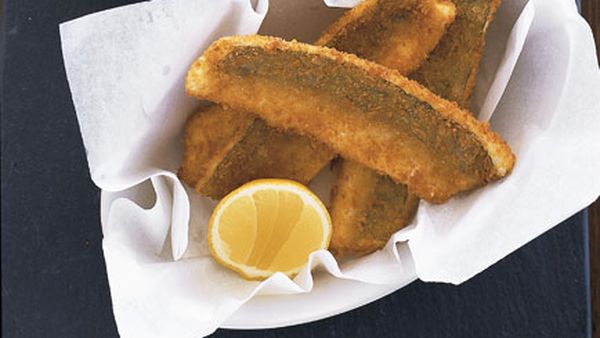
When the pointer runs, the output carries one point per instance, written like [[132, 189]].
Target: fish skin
[[225, 148], [239, 166], [450, 72], [451, 69], [362, 110], [366, 207]]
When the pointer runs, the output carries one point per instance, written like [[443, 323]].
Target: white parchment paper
[[126, 66]]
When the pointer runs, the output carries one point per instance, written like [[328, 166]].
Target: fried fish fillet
[[451, 72], [225, 148], [396, 33], [413, 27], [362, 110], [451, 69], [208, 136], [366, 207]]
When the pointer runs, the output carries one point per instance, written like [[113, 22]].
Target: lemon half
[[268, 226]]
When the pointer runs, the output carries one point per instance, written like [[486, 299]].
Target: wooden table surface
[[590, 9]]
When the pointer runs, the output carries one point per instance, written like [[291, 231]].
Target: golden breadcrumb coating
[[413, 28], [225, 148], [398, 34], [208, 136], [364, 111], [366, 207], [451, 69]]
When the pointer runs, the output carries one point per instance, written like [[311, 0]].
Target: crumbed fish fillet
[[364, 111], [399, 34], [225, 148], [450, 72], [366, 207], [451, 69], [209, 136], [413, 26]]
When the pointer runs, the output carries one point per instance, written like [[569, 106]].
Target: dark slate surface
[[53, 274]]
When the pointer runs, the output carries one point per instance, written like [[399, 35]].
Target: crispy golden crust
[[352, 214], [396, 34], [407, 42], [451, 69], [265, 152], [209, 135], [237, 70], [367, 208], [225, 148]]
